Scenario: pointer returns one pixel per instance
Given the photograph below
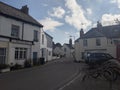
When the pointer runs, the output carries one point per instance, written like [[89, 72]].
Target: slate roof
[[48, 35], [11, 12], [105, 31]]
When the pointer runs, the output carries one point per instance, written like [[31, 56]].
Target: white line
[[70, 82]]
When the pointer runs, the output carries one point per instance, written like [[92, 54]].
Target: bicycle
[[101, 71]]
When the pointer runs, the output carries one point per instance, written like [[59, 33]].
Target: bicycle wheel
[[110, 75]]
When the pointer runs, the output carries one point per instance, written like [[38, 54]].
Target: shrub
[[27, 64], [16, 66]]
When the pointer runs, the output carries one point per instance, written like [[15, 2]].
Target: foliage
[[16, 67], [27, 64]]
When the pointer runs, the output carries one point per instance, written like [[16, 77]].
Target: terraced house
[[100, 39], [46, 46], [19, 35]]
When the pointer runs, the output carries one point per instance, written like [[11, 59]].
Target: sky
[[64, 18]]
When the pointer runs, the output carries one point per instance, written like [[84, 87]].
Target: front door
[[34, 57], [2, 55]]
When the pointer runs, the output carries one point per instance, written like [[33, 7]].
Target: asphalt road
[[51, 76], [62, 74]]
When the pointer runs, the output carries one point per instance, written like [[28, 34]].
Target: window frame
[[85, 42], [3, 56], [15, 30], [36, 35], [98, 42], [43, 38], [20, 53]]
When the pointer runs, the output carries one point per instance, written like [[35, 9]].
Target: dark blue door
[[34, 57]]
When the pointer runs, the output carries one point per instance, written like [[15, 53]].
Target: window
[[15, 31], [65, 50], [85, 42], [49, 53], [42, 39], [2, 55], [35, 35], [98, 42], [20, 53]]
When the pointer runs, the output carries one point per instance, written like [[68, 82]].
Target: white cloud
[[89, 11], [45, 5], [76, 17], [109, 19], [116, 1], [113, 1], [57, 12], [67, 33], [50, 24]]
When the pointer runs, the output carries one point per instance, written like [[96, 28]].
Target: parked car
[[97, 58]]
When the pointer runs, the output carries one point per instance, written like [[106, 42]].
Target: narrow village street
[[62, 74], [50, 76]]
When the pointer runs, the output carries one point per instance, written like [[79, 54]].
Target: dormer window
[[15, 31]]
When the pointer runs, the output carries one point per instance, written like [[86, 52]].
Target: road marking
[[70, 82]]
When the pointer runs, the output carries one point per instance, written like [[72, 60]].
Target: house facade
[[68, 49], [57, 50], [46, 46], [19, 35], [100, 39]]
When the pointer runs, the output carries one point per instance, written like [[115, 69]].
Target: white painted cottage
[[68, 49], [100, 39], [19, 35], [57, 50], [46, 46]]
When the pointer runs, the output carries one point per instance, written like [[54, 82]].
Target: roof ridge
[[21, 15]]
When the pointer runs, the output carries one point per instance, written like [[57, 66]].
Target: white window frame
[[15, 31], [98, 42], [36, 35], [43, 38], [20, 53], [3, 56], [85, 42]]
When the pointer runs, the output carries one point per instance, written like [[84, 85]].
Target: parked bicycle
[[106, 70], [101, 65]]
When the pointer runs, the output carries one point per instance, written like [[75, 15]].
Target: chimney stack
[[70, 42], [25, 9], [99, 25], [81, 33]]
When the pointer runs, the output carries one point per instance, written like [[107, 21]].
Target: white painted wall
[[11, 53], [68, 51], [5, 29], [49, 57], [43, 45], [106, 46]]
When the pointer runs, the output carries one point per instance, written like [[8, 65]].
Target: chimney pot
[[25, 9]]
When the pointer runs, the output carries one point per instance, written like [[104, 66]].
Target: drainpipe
[[22, 30], [31, 55]]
